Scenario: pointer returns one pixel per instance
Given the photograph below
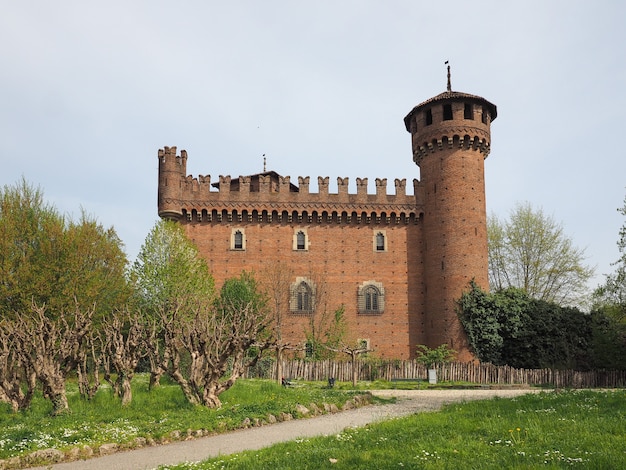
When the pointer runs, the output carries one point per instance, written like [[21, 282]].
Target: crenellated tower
[[451, 137], [172, 170]]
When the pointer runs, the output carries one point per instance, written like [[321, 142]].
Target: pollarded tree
[[530, 251], [225, 340], [171, 283]]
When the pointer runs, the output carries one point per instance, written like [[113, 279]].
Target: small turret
[[172, 170]]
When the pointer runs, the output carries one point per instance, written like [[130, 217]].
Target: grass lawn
[[158, 415], [580, 429]]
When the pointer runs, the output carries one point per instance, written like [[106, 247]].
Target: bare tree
[[222, 340], [276, 280], [17, 379], [170, 280], [88, 365], [123, 340], [327, 328], [354, 352], [51, 347]]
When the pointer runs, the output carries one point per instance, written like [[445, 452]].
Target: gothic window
[[238, 239], [301, 296], [300, 240], [380, 241], [371, 298]]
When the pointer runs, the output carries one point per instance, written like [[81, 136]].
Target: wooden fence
[[455, 371]]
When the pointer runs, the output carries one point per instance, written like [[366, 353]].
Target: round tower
[[451, 137], [172, 170]]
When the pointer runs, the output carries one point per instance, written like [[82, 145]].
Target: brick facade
[[395, 261]]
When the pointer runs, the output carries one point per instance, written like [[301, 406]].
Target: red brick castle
[[396, 262]]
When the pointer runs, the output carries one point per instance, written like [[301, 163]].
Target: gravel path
[[409, 402]]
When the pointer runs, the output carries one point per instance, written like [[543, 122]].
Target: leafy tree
[[530, 251], [51, 260], [172, 282], [440, 355], [56, 276], [610, 302], [509, 327]]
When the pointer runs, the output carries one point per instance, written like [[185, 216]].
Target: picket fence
[[476, 373]]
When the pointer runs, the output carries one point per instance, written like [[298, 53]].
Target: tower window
[[301, 296], [429, 117], [468, 111], [371, 298], [485, 117], [238, 239], [300, 240], [447, 112], [380, 241]]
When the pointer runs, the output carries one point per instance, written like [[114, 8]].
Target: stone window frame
[[302, 296], [364, 301], [234, 246], [297, 246], [375, 244]]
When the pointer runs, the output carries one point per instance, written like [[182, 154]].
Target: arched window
[[300, 240], [379, 240], [238, 239], [302, 295], [371, 298]]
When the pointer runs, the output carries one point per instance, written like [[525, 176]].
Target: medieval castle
[[396, 262]]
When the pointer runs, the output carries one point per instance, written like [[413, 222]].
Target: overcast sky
[[89, 92]]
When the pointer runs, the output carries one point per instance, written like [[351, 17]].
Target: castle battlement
[[269, 192]]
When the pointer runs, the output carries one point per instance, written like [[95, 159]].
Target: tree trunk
[[127, 393], [210, 397], [279, 364]]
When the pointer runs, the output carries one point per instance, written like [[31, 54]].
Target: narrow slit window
[[468, 111], [429, 117]]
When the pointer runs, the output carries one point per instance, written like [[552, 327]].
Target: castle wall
[[341, 256]]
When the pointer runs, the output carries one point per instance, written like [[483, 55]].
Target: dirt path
[[409, 402]]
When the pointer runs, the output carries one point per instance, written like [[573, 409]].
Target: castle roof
[[452, 96], [254, 182]]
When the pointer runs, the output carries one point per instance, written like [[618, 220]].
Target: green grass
[[580, 429], [152, 415]]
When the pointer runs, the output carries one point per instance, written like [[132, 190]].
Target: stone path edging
[[409, 402]]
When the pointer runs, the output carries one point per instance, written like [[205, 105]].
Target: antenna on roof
[[449, 84], [264, 163]]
